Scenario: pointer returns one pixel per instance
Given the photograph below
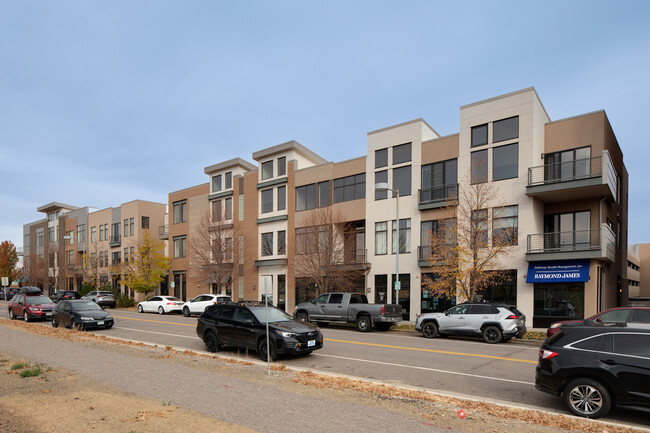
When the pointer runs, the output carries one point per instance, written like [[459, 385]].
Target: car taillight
[[382, 311], [171, 303], [513, 317], [547, 354]]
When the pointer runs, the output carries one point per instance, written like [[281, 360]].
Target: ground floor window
[[558, 301], [381, 289], [432, 302], [502, 292], [180, 285], [305, 290], [282, 292], [404, 298]]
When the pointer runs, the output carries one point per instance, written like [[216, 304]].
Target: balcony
[[437, 197], [597, 243], [115, 241], [352, 259], [571, 180], [163, 232]]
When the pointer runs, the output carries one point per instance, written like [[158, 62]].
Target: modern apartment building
[[638, 274], [73, 244]]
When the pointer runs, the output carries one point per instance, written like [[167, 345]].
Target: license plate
[[48, 314], [311, 343], [101, 322]]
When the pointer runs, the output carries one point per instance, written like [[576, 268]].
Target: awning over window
[[558, 271]]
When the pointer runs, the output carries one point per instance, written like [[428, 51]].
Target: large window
[[324, 193], [350, 188], [479, 229], [179, 246], [381, 158], [439, 181], [505, 222], [505, 162], [560, 300], [282, 197], [228, 203], [81, 233], [40, 238], [568, 165], [381, 177], [229, 180], [126, 228], [505, 129], [282, 242], [51, 234], [402, 181], [404, 235], [479, 135], [306, 197], [267, 200], [479, 166], [93, 234], [180, 211], [282, 166], [569, 231], [216, 183], [267, 170], [402, 153], [381, 238], [267, 244]]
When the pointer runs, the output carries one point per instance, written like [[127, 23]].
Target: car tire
[[25, 316], [109, 326], [211, 342], [76, 326], [161, 310], [140, 309], [186, 312], [302, 317], [587, 398], [364, 324], [492, 334], [12, 316], [261, 350], [430, 330], [55, 324]]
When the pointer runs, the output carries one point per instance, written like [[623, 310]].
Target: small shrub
[[122, 300], [19, 366], [31, 372]]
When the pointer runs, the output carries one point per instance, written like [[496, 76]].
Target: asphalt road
[[463, 367]]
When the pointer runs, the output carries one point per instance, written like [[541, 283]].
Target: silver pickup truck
[[349, 308]]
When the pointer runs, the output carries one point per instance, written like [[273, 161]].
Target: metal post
[[397, 284], [268, 348]]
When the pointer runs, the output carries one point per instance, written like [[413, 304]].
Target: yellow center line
[[156, 321], [445, 352]]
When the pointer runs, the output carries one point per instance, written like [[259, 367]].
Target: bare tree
[[323, 256], [91, 266], [464, 257], [211, 248]]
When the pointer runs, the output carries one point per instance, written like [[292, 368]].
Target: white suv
[[493, 322]]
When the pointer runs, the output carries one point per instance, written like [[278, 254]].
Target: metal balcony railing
[[565, 171], [424, 253], [355, 256], [439, 194], [577, 240], [115, 240]]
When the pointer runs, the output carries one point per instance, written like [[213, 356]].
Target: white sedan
[[161, 304], [201, 302]]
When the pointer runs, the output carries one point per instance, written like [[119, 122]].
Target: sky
[[102, 103]]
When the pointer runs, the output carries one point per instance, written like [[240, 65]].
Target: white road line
[[424, 368], [159, 333]]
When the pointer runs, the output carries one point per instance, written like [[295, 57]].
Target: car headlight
[[108, 316], [286, 334], [555, 325], [85, 318]]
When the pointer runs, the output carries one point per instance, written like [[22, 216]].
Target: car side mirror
[[599, 320], [248, 322], [447, 313]]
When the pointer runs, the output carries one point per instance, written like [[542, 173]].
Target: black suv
[[243, 324], [60, 295], [597, 366]]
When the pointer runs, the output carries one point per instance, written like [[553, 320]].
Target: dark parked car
[[30, 307], [613, 315], [595, 367], [81, 314], [65, 294], [10, 292], [243, 324]]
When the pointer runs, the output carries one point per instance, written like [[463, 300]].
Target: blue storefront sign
[[566, 271]]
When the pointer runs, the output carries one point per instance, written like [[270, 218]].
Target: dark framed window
[[267, 170], [350, 188], [505, 225], [267, 200], [145, 222], [381, 158], [216, 183], [505, 129], [180, 212], [179, 246], [381, 238], [479, 229], [404, 236], [381, 177], [479, 166], [282, 166], [267, 244], [439, 181], [282, 197], [324, 193], [282, 242], [401, 153], [229, 180], [505, 162], [402, 181], [306, 197], [228, 207], [217, 213], [479, 135]]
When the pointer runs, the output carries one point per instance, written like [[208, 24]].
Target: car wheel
[[430, 330], [55, 324], [11, 314], [186, 312], [25, 316], [302, 317], [587, 398], [211, 342], [267, 354], [109, 326], [140, 309], [363, 324], [161, 310], [76, 326], [492, 335]]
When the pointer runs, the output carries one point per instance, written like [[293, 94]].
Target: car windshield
[[85, 306], [38, 300], [105, 293], [275, 315]]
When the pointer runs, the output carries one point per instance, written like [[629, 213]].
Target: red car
[[30, 307], [613, 315]]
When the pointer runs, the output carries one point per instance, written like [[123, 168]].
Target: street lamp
[[381, 187]]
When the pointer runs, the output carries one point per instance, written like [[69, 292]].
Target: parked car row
[[172, 304]]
